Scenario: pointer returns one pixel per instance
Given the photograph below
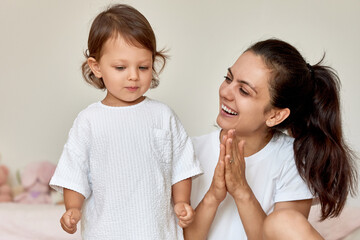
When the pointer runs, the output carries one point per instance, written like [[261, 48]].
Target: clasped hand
[[229, 175]]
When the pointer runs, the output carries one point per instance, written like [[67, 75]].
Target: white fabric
[[124, 160], [21, 221], [271, 174]]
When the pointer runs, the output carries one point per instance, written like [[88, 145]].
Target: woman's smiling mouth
[[228, 110]]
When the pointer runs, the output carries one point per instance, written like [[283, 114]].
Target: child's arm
[[181, 196], [73, 204]]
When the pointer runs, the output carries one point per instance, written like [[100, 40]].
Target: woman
[[269, 89]]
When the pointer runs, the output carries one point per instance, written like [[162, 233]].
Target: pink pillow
[[335, 228]]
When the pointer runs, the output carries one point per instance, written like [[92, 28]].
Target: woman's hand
[[217, 191], [235, 179]]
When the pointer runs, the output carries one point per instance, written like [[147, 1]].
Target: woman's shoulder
[[205, 141], [283, 146], [282, 140], [206, 137]]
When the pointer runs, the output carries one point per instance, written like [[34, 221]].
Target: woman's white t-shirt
[[271, 174]]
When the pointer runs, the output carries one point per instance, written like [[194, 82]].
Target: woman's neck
[[253, 143]]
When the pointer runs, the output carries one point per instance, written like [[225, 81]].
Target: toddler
[[126, 167]]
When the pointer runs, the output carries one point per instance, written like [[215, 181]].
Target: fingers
[[228, 146], [231, 133], [188, 218], [185, 213], [224, 138], [189, 213], [241, 145], [68, 226], [180, 210], [227, 164], [69, 220], [220, 170]]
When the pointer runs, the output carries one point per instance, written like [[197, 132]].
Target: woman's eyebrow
[[247, 83], [242, 81], [229, 70]]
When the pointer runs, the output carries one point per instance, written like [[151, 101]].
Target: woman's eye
[[243, 91], [227, 79]]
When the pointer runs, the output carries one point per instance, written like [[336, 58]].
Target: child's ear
[[94, 66], [277, 116]]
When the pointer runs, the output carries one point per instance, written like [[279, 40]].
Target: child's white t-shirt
[[271, 173], [124, 161]]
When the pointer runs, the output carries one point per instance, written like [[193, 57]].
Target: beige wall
[[41, 89]]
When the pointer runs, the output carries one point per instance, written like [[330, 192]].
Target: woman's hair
[[132, 26], [311, 93]]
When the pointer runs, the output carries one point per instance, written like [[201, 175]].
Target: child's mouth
[[132, 89]]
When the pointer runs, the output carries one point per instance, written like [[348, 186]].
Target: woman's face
[[245, 97]]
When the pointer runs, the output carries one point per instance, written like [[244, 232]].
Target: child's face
[[126, 71]]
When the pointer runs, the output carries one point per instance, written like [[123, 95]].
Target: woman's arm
[[250, 211], [205, 214], [206, 210], [249, 208], [302, 206]]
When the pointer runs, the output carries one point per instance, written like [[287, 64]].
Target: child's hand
[[185, 213], [70, 219]]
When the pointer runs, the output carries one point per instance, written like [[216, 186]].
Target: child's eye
[[120, 68], [143, 68], [227, 79], [243, 91]]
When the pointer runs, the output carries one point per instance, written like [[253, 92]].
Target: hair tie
[[311, 69], [87, 53]]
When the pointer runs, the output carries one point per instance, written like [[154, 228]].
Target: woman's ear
[[94, 66], [277, 116]]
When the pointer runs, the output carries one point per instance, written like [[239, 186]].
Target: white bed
[[41, 222], [33, 222], [345, 227]]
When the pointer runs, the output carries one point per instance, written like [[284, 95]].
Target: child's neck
[[115, 102]]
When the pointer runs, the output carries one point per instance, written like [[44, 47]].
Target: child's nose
[[133, 75]]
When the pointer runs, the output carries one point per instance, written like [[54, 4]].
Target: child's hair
[[133, 28], [311, 93]]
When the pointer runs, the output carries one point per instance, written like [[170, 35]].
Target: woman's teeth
[[228, 110]]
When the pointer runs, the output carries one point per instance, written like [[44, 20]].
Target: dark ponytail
[[312, 94]]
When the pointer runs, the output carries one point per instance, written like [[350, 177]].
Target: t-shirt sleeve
[[290, 186], [185, 163], [72, 171]]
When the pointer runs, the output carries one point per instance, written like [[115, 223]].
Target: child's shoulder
[[160, 106], [89, 112]]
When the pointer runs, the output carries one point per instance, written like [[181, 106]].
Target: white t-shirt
[[271, 174], [124, 160]]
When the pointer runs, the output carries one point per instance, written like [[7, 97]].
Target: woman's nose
[[227, 91]]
